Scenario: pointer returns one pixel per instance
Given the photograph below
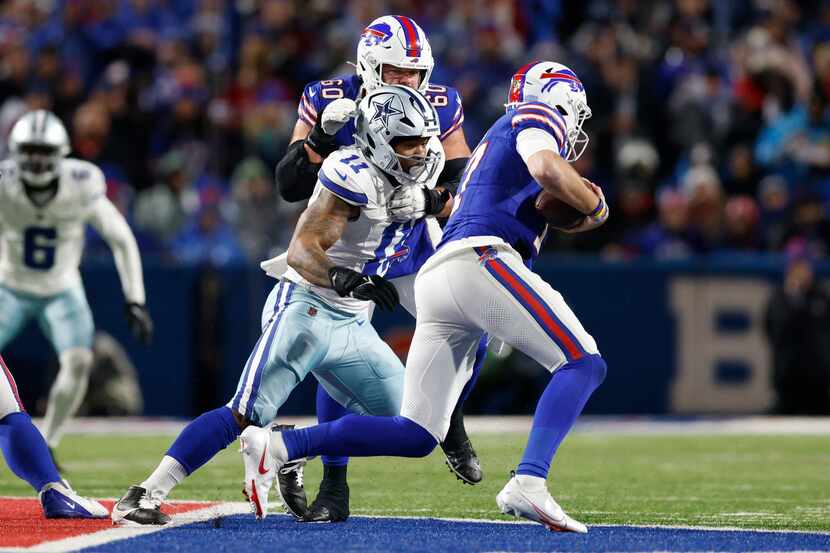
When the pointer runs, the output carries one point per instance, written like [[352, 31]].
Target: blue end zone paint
[[280, 533]]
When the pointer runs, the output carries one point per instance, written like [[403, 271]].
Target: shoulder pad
[[347, 175]]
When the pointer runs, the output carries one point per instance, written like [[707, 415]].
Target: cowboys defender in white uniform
[[392, 49], [46, 201], [480, 281], [342, 260]]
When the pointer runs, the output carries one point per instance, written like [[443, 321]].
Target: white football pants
[[467, 289]]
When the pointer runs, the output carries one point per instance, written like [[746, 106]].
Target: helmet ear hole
[[371, 141], [561, 110]]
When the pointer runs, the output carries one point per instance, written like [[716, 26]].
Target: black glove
[[139, 321], [435, 200], [347, 282], [319, 141]]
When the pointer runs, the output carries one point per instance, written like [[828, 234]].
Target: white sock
[[530, 483], [167, 476], [67, 393], [278, 450]]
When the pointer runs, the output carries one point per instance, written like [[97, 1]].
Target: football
[[557, 213]]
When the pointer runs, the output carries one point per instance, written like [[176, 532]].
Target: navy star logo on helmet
[[384, 110]]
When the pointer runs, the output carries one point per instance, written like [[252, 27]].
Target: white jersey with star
[[41, 247], [372, 244]]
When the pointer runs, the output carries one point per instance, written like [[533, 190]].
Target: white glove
[[337, 114], [407, 202]]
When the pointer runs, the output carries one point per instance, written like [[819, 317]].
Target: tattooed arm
[[319, 227]]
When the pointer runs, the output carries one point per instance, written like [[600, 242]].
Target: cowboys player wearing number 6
[[46, 201], [392, 49], [347, 255]]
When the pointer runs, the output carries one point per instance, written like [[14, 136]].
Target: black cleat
[[461, 457], [292, 492], [332, 502], [290, 479], [136, 507]]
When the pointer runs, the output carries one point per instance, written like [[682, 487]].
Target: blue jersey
[[318, 94], [497, 195]]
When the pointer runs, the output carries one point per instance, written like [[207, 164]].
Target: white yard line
[[815, 426], [124, 532]]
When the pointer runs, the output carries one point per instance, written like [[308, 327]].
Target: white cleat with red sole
[[535, 503], [260, 468]]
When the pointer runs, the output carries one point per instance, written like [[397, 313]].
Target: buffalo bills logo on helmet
[[376, 34], [562, 76]]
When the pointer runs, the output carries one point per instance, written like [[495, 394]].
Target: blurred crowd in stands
[[710, 130]]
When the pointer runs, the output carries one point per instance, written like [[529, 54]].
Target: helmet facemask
[[421, 169], [575, 115], [38, 163]]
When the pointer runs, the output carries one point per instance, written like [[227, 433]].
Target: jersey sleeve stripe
[[303, 114], [557, 132], [454, 127], [309, 106], [349, 196], [537, 108]]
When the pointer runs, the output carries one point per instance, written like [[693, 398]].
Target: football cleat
[[59, 500], [331, 504], [292, 492], [260, 468], [536, 505], [290, 482], [136, 507], [461, 457]]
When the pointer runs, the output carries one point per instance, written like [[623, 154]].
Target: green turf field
[[771, 482]]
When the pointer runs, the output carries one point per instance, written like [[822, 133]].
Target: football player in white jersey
[[347, 254], [46, 201], [392, 49]]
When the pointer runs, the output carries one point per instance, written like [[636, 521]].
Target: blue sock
[[329, 410], [361, 436], [561, 403], [481, 353], [204, 437], [25, 451]]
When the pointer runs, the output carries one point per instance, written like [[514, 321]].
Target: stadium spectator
[[797, 326], [217, 82]]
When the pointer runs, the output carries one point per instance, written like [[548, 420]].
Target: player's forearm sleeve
[[450, 177], [114, 229], [296, 176]]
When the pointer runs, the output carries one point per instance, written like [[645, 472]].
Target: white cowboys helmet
[[38, 142], [393, 40], [557, 86], [395, 112]]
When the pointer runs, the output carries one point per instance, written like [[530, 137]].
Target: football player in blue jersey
[[28, 457], [393, 49], [493, 235]]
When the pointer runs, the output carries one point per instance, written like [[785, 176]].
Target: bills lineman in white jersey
[[348, 254], [46, 201]]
